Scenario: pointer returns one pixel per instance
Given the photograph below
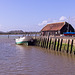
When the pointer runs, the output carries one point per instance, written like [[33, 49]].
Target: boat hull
[[23, 40], [69, 33]]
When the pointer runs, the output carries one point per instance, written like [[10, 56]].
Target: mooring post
[[71, 46], [61, 45], [68, 46], [8, 36], [58, 44]]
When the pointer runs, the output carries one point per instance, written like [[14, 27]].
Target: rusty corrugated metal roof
[[53, 26]]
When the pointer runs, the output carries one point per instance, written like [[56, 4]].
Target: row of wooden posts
[[55, 43], [58, 44]]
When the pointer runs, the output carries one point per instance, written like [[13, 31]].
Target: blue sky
[[33, 15]]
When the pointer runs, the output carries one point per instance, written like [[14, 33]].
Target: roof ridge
[[57, 22]]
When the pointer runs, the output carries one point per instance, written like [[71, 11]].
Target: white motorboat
[[23, 40]]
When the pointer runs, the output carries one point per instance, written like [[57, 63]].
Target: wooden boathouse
[[57, 28]]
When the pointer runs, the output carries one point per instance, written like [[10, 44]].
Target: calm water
[[30, 60]]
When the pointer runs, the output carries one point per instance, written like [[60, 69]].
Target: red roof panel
[[53, 26]]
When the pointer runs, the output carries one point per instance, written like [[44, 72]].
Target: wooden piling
[[40, 42], [55, 44], [44, 42], [71, 46], [50, 43], [47, 43], [58, 44], [61, 45], [65, 44], [68, 46]]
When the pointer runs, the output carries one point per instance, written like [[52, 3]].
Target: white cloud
[[70, 20], [43, 23], [62, 18]]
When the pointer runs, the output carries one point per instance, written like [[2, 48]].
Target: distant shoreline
[[19, 33]]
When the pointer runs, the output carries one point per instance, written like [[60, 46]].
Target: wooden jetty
[[62, 44], [56, 43]]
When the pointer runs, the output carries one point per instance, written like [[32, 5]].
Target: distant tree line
[[18, 32]]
